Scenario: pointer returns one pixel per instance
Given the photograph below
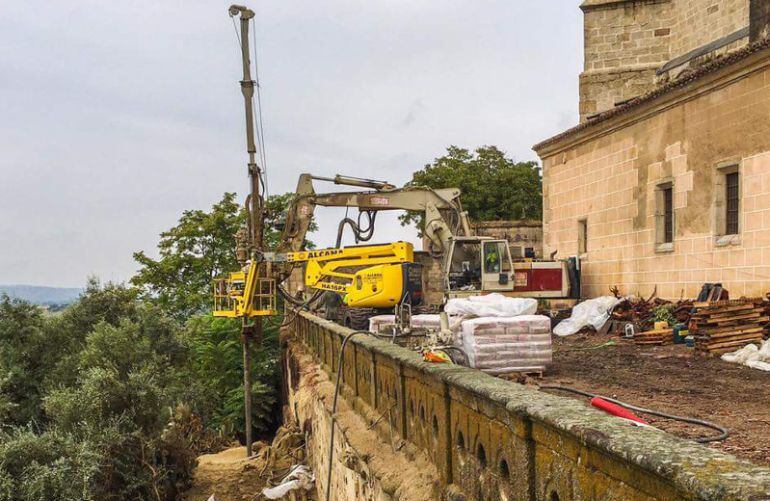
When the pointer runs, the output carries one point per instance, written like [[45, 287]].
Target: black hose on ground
[[340, 363], [723, 432]]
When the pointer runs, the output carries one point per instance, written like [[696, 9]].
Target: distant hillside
[[42, 295]]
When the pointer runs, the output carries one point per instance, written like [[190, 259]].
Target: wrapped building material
[[500, 345], [491, 305], [383, 324]]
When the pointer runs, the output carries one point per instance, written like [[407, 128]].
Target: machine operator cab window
[[497, 266], [476, 265], [465, 266]]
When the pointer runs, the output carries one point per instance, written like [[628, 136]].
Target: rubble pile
[[641, 313]]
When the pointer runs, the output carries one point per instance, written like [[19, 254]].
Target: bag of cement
[[491, 305], [748, 353], [593, 313], [299, 477], [499, 345]]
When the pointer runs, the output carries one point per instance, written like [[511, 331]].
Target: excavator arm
[[368, 276], [382, 197]]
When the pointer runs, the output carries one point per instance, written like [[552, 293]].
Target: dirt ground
[[231, 476], [228, 475], [673, 379]]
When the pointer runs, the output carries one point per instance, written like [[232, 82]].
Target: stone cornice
[[719, 73], [588, 5]]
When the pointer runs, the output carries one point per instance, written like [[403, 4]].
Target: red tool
[[617, 410]]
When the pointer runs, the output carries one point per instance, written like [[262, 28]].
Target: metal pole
[[247, 387], [255, 210]]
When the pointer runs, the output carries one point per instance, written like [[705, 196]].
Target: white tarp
[[594, 313], [491, 305], [751, 356]]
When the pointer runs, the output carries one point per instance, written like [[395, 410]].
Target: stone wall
[[521, 235], [485, 438], [702, 21], [627, 42], [609, 174]]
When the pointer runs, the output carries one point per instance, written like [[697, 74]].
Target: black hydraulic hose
[[360, 234], [340, 363], [723, 432], [298, 302], [298, 305]]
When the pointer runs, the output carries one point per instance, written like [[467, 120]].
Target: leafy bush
[[664, 313], [25, 354], [216, 374], [46, 466], [113, 399]]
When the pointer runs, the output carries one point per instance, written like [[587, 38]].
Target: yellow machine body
[[376, 287], [367, 276]]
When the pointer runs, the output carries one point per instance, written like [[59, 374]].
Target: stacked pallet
[[654, 337], [767, 314], [725, 326], [503, 345]]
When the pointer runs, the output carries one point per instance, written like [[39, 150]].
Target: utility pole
[[256, 214]]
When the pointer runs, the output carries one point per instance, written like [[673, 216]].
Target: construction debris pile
[[725, 326], [712, 324], [642, 314]]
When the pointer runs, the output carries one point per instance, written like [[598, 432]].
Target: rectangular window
[[668, 214], [732, 205], [583, 236], [664, 217]]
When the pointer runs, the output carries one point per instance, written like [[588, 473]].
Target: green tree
[[198, 249], [494, 187], [28, 350]]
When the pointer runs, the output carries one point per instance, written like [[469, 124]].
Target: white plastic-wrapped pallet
[[380, 323], [385, 323], [491, 305], [500, 345]]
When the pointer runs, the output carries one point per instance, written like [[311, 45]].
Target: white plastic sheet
[[491, 305], [748, 353], [299, 477], [751, 356], [594, 313]]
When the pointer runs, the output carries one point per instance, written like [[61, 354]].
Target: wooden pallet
[[725, 326], [654, 337]]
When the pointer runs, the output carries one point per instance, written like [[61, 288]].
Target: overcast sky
[[117, 116]]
